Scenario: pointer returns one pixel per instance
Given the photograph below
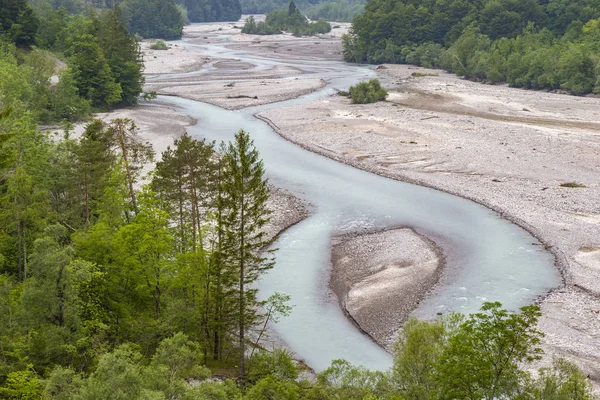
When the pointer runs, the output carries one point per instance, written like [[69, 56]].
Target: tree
[[91, 72], [122, 53], [145, 251], [562, 381], [94, 162], [185, 179], [416, 354], [246, 192], [133, 153], [18, 22], [482, 359], [367, 92]]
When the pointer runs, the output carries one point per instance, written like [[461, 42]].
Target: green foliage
[[531, 44], [572, 185], [159, 45], [562, 381], [271, 388], [286, 20], [329, 10], [258, 28], [212, 10], [483, 358], [367, 92], [153, 18], [122, 52], [244, 214], [22, 385], [92, 74], [278, 364], [18, 22]]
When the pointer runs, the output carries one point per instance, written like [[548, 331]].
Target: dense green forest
[[532, 44], [289, 19], [103, 65], [330, 10]]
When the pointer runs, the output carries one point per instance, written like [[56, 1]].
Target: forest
[[289, 19], [531, 44], [162, 19], [330, 10]]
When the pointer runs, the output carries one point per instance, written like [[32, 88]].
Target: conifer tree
[[245, 195], [122, 53], [92, 73]]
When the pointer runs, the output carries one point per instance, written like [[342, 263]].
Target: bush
[[279, 364], [159, 45], [572, 185], [368, 92]]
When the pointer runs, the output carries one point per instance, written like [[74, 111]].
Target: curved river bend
[[487, 257]]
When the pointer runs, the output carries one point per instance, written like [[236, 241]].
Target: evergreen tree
[[245, 194], [18, 22], [122, 53], [91, 72]]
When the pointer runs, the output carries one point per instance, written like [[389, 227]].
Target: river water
[[487, 258]]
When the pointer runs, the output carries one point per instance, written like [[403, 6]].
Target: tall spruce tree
[[245, 195]]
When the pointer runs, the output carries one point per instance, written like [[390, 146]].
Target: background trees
[[530, 44], [289, 19]]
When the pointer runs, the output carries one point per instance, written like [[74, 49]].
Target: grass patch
[[572, 185], [421, 74]]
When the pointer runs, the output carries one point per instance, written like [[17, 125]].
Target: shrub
[[572, 185], [279, 364], [368, 92], [159, 45]]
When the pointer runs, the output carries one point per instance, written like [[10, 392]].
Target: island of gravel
[[380, 278]]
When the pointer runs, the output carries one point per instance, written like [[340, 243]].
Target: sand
[[236, 95], [509, 149], [174, 60]]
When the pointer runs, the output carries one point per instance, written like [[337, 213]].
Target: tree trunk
[[123, 145], [242, 308]]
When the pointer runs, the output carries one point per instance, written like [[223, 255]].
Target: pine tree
[[245, 195]]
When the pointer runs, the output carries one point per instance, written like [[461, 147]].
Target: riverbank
[[531, 156]]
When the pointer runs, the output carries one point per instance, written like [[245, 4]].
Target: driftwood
[[242, 96]]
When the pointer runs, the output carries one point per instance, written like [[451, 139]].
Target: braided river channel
[[488, 258]]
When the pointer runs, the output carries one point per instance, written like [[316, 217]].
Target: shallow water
[[488, 258]]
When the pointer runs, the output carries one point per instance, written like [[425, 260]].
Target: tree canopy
[[532, 44]]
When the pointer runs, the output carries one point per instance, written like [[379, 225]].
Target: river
[[487, 258]]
